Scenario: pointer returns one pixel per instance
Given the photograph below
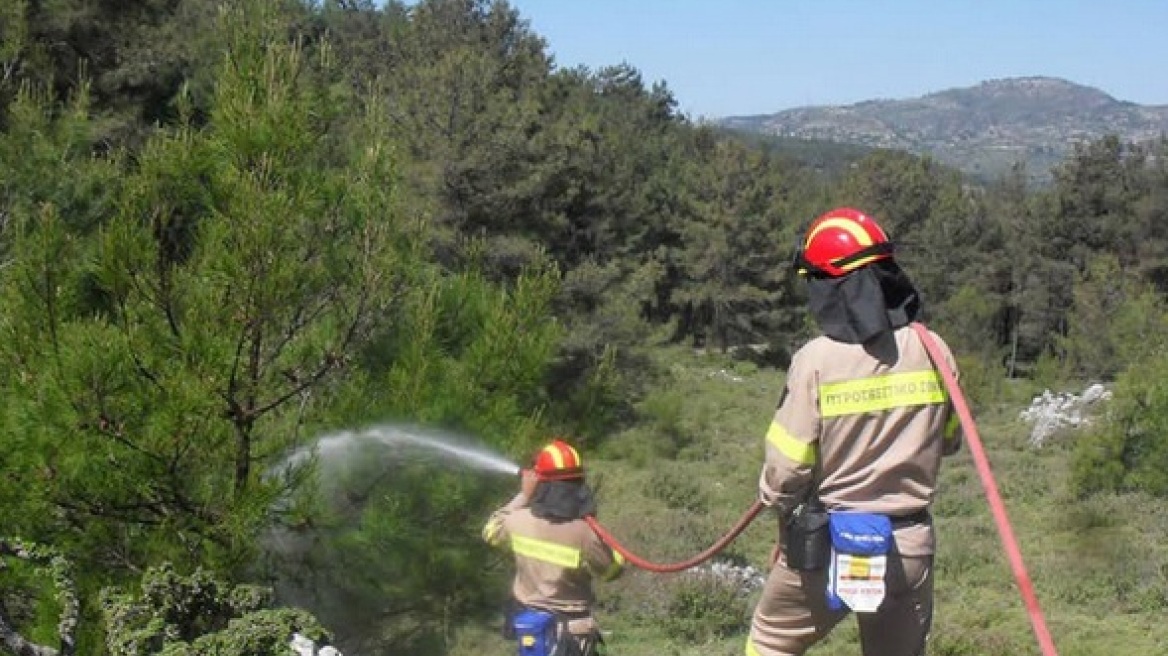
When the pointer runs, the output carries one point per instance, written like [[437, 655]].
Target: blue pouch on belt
[[537, 632], [860, 543]]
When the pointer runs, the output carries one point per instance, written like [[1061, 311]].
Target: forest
[[227, 229]]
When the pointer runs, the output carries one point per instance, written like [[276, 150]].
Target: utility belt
[[854, 548], [806, 536], [542, 632], [921, 516]]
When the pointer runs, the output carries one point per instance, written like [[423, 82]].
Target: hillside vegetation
[[227, 230], [982, 130]]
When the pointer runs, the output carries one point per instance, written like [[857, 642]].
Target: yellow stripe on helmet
[[558, 451], [556, 454], [848, 225]]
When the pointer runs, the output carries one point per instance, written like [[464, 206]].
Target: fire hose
[[997, 507], [666, 568]]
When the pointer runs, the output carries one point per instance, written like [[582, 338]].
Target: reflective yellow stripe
[[492, 530], [863, 261], [548, 552], [558, 456], [790, 446], [880, 393], [952, 426], [750, 650], [614, 570], [847, 225]]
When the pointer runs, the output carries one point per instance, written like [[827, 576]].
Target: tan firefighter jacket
[[555, 562], [868, 435]]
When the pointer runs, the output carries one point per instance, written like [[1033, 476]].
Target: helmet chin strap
[[883, 248], [803, 265], [565, 475]]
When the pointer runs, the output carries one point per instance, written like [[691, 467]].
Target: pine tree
[[162, 358]]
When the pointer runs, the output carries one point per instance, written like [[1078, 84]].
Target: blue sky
[[735, 57]]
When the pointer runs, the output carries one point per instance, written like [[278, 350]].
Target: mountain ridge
[[981, 129]]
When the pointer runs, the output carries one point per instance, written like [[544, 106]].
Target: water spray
[[449, 445], [329, 483]]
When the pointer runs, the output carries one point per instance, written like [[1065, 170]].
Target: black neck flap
[[562, 500], [865, 303]]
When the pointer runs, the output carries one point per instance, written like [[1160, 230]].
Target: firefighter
[[853, 454], [557, 555]]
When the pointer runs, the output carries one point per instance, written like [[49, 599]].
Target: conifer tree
[[161, 360]]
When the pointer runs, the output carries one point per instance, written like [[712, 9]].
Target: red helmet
[[558, 461], [840, 242]]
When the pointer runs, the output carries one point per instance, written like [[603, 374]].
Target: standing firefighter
[[853, 454], [556, 555]]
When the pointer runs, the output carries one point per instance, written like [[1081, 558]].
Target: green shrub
[[666, 412], [677, 491], [199, 615], [1127, 450], [1117, 318], [981, 379], [704, 607]]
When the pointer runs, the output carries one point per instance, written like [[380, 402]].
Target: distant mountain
[[981, 130]]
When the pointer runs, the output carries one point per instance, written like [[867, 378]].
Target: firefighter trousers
[[793, 615]]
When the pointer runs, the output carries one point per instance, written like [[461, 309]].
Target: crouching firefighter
[[556, 557], [853, 454]]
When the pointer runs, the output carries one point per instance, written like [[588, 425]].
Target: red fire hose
[[734, 532], [997, 508]]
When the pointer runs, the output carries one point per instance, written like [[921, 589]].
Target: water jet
[[452, 447]]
